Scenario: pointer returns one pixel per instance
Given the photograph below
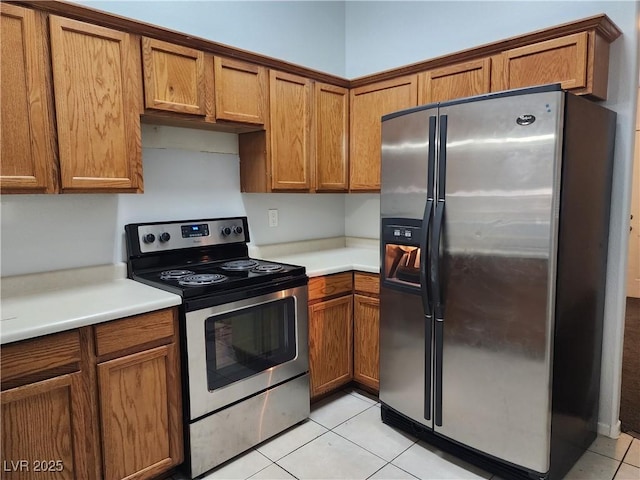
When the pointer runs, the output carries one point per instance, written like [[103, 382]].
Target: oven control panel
[[157, 237]]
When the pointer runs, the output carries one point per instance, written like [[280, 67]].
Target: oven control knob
[[225, 231], [237, 230], [149, 238], [165, 237]]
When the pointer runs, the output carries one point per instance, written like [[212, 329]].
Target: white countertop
[[51, 302], [326, 256], [44, 303]]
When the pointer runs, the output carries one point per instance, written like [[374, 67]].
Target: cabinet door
[[331, 137], [44, 430], [330, 344], [28, 158], [290, 115], [561, 60], [366, 341], [241, 91], [368, 105], [140, 414], [174, 77], [97, 87], [455, 81]]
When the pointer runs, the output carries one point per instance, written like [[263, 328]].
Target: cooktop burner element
[[174, 274], [204, 260], [201, 279], [239, 265], [267, 268]]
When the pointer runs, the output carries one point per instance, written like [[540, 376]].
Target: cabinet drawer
[[330, 285], [40, 358], [366, 283], [156, 328]]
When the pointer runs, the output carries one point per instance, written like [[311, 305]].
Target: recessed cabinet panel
[[173, 77], [368, 105], [97, 94], [241, 91], [455, 81], [330, 344], [331, 127], [290, 112], [43, 426], [28, 158], [561, 60], [139, 419], [366, 341]]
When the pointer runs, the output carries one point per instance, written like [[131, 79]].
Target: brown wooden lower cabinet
[[137, 399], [366, 341], [330, 344], [51, 386], [343, 331], [43, 427]]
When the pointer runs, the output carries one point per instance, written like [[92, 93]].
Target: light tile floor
[[344, 438]]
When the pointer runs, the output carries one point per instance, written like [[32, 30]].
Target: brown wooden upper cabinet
[[579, 62], [290, 116], [331, 138], [28, 162], [174, 77], [97, 90], [368, 104], [455, 81], [241, 91], [279, 158]]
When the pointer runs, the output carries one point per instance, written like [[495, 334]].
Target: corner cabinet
[[52, 387], [331, 138], [367, 105], [97, 90], [29, 162]]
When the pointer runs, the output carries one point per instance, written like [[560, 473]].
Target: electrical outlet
[[273, 217]]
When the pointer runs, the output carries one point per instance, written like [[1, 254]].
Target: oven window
[[241, 343]]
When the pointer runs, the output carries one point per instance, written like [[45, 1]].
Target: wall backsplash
[[200, 178]]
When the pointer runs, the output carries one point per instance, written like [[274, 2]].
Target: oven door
[[241, 348]]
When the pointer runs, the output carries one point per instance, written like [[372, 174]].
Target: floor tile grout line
[[623, 455], [353, 416], [377, 470], [298, 447], [297, 478], [607, 456]]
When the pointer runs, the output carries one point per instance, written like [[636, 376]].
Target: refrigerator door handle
[[425, 280], [434, 256], [425, 276], [435, 271], [439, 331]]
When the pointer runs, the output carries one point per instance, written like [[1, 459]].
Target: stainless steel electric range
[[243, 325]]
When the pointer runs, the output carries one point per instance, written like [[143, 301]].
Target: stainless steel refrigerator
[[494, 228]]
